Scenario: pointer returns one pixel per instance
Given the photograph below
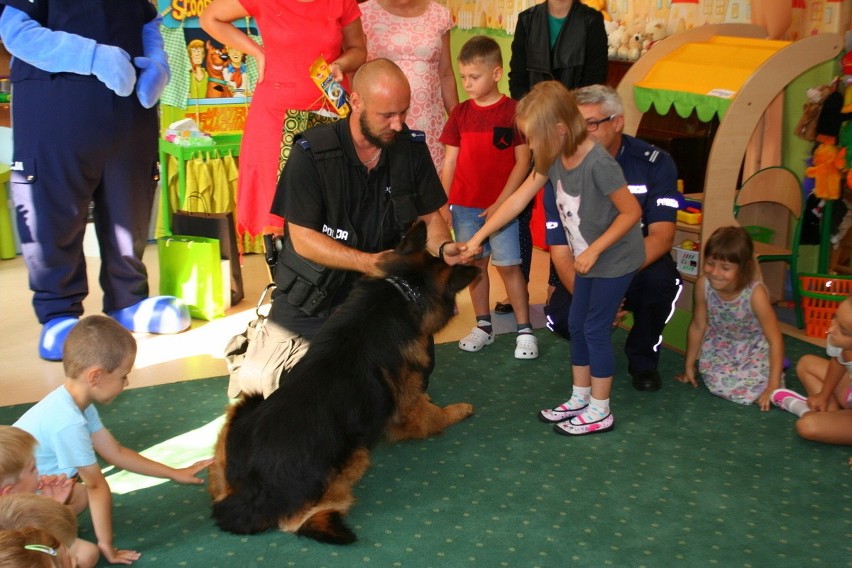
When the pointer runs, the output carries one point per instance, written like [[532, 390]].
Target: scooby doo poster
[[211, 83]]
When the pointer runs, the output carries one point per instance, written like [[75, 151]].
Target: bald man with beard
[[349, 192]]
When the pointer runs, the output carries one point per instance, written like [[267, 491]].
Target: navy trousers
[[76, 142], [651, 297]]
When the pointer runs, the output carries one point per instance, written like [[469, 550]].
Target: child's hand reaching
[[471, 249], [57, 487], [188, 474]]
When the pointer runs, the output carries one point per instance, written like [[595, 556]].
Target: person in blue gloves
[[86, 78]]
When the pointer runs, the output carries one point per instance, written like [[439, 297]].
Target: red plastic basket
[[821, 295]]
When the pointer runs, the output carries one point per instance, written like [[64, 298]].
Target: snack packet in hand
[[331, 89]]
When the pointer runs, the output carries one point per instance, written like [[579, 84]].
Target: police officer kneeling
[[349, 191]]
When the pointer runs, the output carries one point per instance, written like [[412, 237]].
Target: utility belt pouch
[[302, 283]]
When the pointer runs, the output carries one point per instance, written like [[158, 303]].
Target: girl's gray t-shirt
[[582, 198]]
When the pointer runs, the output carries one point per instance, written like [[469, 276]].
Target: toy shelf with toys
[[687, 247]]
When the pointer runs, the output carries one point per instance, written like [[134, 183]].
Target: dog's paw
[[458, 412]]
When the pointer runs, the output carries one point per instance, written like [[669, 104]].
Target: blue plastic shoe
[[53, 335], [158, 314]]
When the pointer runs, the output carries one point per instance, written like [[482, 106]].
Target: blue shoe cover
[[158, 314], [53, 335]]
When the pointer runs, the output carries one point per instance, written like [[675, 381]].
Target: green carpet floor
[[685, 479]]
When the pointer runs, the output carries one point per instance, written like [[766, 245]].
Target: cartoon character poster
[[211, 83]]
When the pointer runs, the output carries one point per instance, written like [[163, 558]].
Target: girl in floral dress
[[734, 335], [415, 34]]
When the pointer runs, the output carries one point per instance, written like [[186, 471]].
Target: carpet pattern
[[685, 479]]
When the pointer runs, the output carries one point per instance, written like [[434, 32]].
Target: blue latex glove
[[61, 52], [154, 65]]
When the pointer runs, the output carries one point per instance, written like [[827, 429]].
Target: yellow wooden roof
[[703, 76]]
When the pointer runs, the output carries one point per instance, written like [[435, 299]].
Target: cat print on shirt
[[569, 211]]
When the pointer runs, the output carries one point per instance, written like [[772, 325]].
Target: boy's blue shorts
[[503, 246]]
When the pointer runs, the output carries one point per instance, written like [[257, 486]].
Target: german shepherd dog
[[292, 459]]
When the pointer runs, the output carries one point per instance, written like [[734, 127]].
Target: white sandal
[[526, 346], [475, 340]]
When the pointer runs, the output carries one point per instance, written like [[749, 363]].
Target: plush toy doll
[[655, 31], [631, 43], [614, 35], [806, 128], [828, 162], [635, 37], [86, 77]]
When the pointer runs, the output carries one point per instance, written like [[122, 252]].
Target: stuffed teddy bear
[[655, 30], [828, 161], [86, 79], [631, 43], [615, 33]]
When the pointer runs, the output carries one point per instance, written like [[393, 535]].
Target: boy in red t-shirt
[[486, 160]]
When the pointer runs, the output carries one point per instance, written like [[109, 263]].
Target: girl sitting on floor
[[734, 335], [826, 414]]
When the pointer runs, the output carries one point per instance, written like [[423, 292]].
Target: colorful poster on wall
[[211, 83]]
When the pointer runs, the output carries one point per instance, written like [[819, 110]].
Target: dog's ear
[[461, 277], [414, 240]]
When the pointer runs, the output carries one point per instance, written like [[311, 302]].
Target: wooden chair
[[780, 186]]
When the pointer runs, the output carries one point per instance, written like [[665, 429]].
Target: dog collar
[[407, 290]]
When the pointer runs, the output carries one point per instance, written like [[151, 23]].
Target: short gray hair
[[602, 95]]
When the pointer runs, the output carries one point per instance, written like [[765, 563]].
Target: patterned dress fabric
[[734, 358], [415, 45], [294, 36]]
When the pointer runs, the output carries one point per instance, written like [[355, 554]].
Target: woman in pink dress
[[286, 100], [415, 34]]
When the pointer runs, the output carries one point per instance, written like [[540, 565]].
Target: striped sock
[[484, 323]]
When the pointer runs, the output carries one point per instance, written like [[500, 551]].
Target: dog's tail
[[327, 526]]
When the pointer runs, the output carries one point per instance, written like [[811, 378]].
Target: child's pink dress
[[734, 357], [415, 45]]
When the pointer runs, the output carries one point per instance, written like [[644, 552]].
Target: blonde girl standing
[[601, 222]]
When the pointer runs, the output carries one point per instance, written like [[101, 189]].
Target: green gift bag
[[190, 269]]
